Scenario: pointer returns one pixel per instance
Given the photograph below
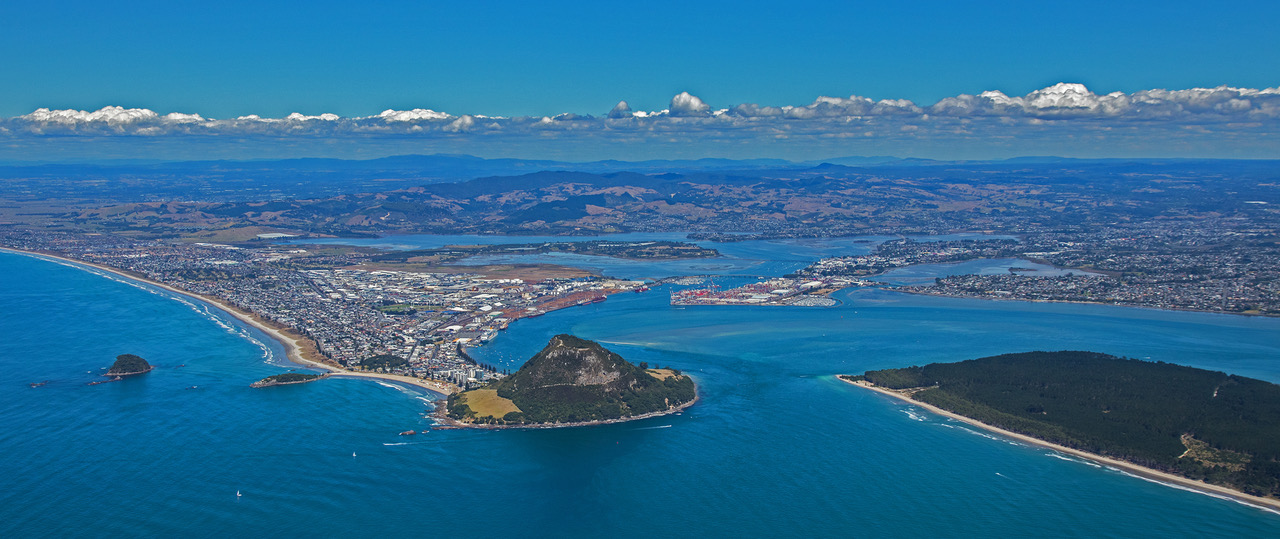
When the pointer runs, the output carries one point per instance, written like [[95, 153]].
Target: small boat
[[409, 433]]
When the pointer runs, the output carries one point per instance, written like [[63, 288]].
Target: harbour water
[[776, 447]]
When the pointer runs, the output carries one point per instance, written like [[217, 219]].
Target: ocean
[[776, 447]]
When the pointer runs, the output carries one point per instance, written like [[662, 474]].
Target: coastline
[[1177, 309], [1158, 476], [292, 344], [442, 418], [898, 288]]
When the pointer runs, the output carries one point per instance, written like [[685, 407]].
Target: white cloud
[[1062, 95], [621, 110], [107, 115], [299, 117], [464, 123], [415, 115], [180, 118], [1075, 100], [1062, 109], [686, 104]]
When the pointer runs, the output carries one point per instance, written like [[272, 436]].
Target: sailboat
[[238, 494]]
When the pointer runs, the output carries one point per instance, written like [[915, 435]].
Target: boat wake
[[651, 428]]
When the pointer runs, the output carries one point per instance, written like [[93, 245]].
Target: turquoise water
[[776, 447]]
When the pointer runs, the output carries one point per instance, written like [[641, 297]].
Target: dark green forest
[[1201, 424]]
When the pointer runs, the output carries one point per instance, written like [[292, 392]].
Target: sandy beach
[[1128, 467], [293, 345]]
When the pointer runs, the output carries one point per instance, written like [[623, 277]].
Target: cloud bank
[[1063, 111]]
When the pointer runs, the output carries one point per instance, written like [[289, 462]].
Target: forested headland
[[1204, 425]]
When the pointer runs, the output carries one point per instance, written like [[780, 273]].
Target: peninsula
[[1207, 430], [287, 378], [573, 381]]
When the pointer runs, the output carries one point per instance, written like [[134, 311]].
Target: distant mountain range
[[343, 198], [439, 167], [446, 167], [224, 180]]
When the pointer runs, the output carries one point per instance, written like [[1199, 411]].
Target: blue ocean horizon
[[776, 446]]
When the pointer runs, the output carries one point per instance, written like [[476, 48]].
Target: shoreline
[[1073, 302], [293, 348], [442, 417], [898, 288], [1200, 487]]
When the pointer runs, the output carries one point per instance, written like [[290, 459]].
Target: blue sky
[[532, 59]]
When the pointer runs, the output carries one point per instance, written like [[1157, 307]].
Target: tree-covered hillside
[[574, 380], [1201, 424]]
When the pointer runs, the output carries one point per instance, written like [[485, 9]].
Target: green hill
[[573, 380], [1201, 424], [385, 362]]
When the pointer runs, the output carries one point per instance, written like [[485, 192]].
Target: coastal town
[[403, 316], [401, 313], [1223, 268], [382, 321], [1159, 265], [414, 313]]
